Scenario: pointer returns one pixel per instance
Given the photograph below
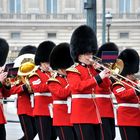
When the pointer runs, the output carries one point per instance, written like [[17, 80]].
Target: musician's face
[[45, 66], [131, 77], [85, 58]]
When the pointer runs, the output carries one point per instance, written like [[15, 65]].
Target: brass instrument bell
[[26, 68], [117, 67]]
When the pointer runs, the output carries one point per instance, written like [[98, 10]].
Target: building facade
[[24, 22]]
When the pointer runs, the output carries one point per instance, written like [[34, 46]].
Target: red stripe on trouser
[[40, 124], [125, 133], [102, 132], [82, 137], [63, 135]]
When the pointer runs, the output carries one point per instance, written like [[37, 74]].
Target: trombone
[[115, 70]]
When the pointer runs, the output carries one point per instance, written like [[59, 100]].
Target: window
[[124, 6], [51, 6], [51, 35], [15, 6], [124, 35], [15, 35]]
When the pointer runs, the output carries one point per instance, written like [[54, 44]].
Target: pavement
[[14, 131]]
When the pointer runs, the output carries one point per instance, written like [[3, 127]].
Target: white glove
[[105, 73], [96, 66]]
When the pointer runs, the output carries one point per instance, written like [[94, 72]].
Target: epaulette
[[33, 74], [73, 69], [118, 83], [53, 78]]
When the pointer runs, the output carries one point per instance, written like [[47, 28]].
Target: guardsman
[[103, 95], [83, 79], [24, 98], [60, 60], [4, 90], [42, 95], [128, 99]]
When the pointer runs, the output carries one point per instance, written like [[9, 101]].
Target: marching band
[[64, 92]]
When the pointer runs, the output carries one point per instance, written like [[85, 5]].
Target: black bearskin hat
[[60, 57], [43, 51], [83, 41], [130, 58], [110, 46], [4, 49], [27, 50]]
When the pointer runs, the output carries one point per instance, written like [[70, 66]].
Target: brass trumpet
[[115, 69]]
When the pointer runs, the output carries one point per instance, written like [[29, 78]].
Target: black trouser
[[28, 126], [130, 132], [88, 131], [45, 129], [108, 126], [65, 132], [2, 132]]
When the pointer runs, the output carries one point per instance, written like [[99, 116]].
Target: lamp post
[[90, 6], [108, 17]]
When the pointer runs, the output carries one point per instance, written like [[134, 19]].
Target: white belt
[[59, 102], [88, 96], [129, 105], [1, 101], [67, 102], [102, 96], [42, 94]]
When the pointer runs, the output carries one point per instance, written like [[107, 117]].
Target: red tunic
[[42, 95], [82, 82], [60, 91], [104, 100], [23, 100], [127, 114], [3, 93]]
